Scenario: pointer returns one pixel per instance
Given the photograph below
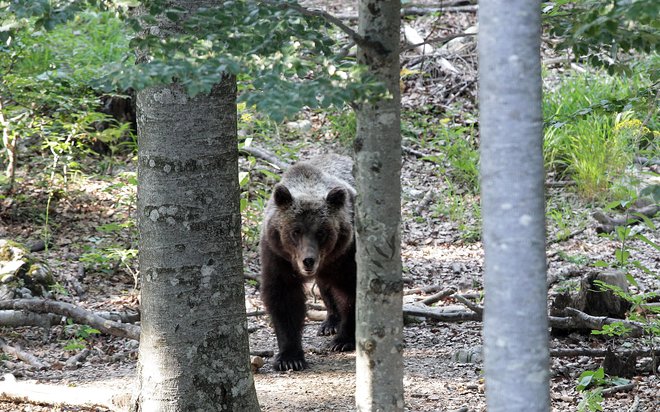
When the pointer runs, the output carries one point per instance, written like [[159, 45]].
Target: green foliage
[[80, 335], [606, 33], [590, 384], [593, 132], [283, 60], [45, 90], [343, 124]]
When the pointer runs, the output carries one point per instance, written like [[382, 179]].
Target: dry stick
[[458, 93], [40, 394], [265, 155], [410, 310], [617, 389], [578, 319], [437, 40], [471, 305], [80, 357], [15, 318], [438, 296], [22, 355], [425, 289], [567, 237], [357, 38], [635, 406], [76, 313], [425, 202]]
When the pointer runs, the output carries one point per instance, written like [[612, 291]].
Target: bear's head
[[313, 230]]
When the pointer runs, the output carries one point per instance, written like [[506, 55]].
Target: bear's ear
[[336, 197], [282, 196]]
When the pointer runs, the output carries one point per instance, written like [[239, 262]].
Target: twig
[[425, 202], [617, 389], [478, 309], [265, 155], [358, 39], [418, 154], [72, 362], [425, 289], [22, 355], [438, 296], [567, 237], [635, 406], [437, 40]]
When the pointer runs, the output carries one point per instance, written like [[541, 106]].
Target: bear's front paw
[[342, 345], [289, 362], [330, 326]]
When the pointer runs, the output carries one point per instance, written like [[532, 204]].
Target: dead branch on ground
[[579, 320], [264, 154], [76, 313], [438, 296], [22, 355]]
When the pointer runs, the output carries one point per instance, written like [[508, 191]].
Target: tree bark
[[194, 341], [379, 340], [516, 356]]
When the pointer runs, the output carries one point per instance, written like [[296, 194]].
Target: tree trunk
[[515, 320], [194, 341], [379, 340]]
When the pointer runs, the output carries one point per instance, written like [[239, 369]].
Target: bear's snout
[[308, 263]]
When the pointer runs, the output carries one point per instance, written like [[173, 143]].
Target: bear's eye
[[322, 235], [296, 233]]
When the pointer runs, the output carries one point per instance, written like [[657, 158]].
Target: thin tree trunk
[[515, 320], [194, 341], [379, 340]]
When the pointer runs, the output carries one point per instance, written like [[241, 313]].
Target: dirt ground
[[438, 374]]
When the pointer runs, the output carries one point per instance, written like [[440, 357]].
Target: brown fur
[[308, 234]]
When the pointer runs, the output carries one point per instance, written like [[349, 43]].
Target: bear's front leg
[[344, 341], [284, 297], [330, 325]]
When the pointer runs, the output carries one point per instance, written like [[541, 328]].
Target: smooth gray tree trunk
[[194, 353], [515, 319], [379, 326]]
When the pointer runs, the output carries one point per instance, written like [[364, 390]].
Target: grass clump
[[594, 132]]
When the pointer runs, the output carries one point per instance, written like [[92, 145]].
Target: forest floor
[[443, 363]]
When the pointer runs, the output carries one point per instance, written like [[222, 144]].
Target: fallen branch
[[617, 389], [265, 155], [462, 316], [75, 361], [58, 395], [16, 318], [438, 296], [478, 309], [580, 320], [75, 313], [22, 355], [633, 215], [599, 353], [425, 289], [425, 202], [567, 237]]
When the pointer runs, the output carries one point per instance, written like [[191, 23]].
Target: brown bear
[[308, 234]]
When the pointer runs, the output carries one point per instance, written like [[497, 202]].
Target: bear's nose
[[308, 263]]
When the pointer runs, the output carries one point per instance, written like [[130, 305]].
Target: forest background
[[69, 151]]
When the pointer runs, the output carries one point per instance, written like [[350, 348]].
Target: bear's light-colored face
[[309, 227]]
